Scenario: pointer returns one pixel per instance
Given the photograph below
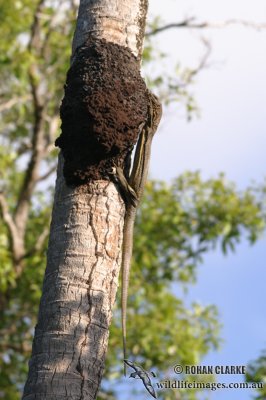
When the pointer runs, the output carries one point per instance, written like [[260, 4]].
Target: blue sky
[[229, 137]]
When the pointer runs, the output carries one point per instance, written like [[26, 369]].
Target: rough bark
[[84, 250]]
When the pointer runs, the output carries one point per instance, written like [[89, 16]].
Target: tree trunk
[[85, 242]]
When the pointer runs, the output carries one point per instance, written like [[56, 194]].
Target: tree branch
[[185, 77], [53, 21], [16, 240], [31, 174], [7, 217], [35, 28], [38, 148], [203, 61], [23, 148], [12, 102], [189, 23], [39, 244], [47, 174]]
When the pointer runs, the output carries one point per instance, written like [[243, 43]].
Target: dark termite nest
[[105, 102]]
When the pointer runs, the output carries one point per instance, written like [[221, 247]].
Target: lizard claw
[[112, 170]]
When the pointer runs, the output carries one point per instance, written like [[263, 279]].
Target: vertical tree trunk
[[84, 251]]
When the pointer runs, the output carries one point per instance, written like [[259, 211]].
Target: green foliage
[[176, 226], [18, 62], [211, 212], [256, 372]]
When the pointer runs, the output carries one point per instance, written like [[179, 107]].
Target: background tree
[[34, 60], [256, 372]]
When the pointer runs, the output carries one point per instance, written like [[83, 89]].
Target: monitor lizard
[[132, 188]]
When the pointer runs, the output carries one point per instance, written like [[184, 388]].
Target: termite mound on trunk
[[105, 102]]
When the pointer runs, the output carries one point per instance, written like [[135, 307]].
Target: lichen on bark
[[105, 103]]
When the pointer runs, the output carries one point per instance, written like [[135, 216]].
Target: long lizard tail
[[126, 263], [124, 351], [125, 280]]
